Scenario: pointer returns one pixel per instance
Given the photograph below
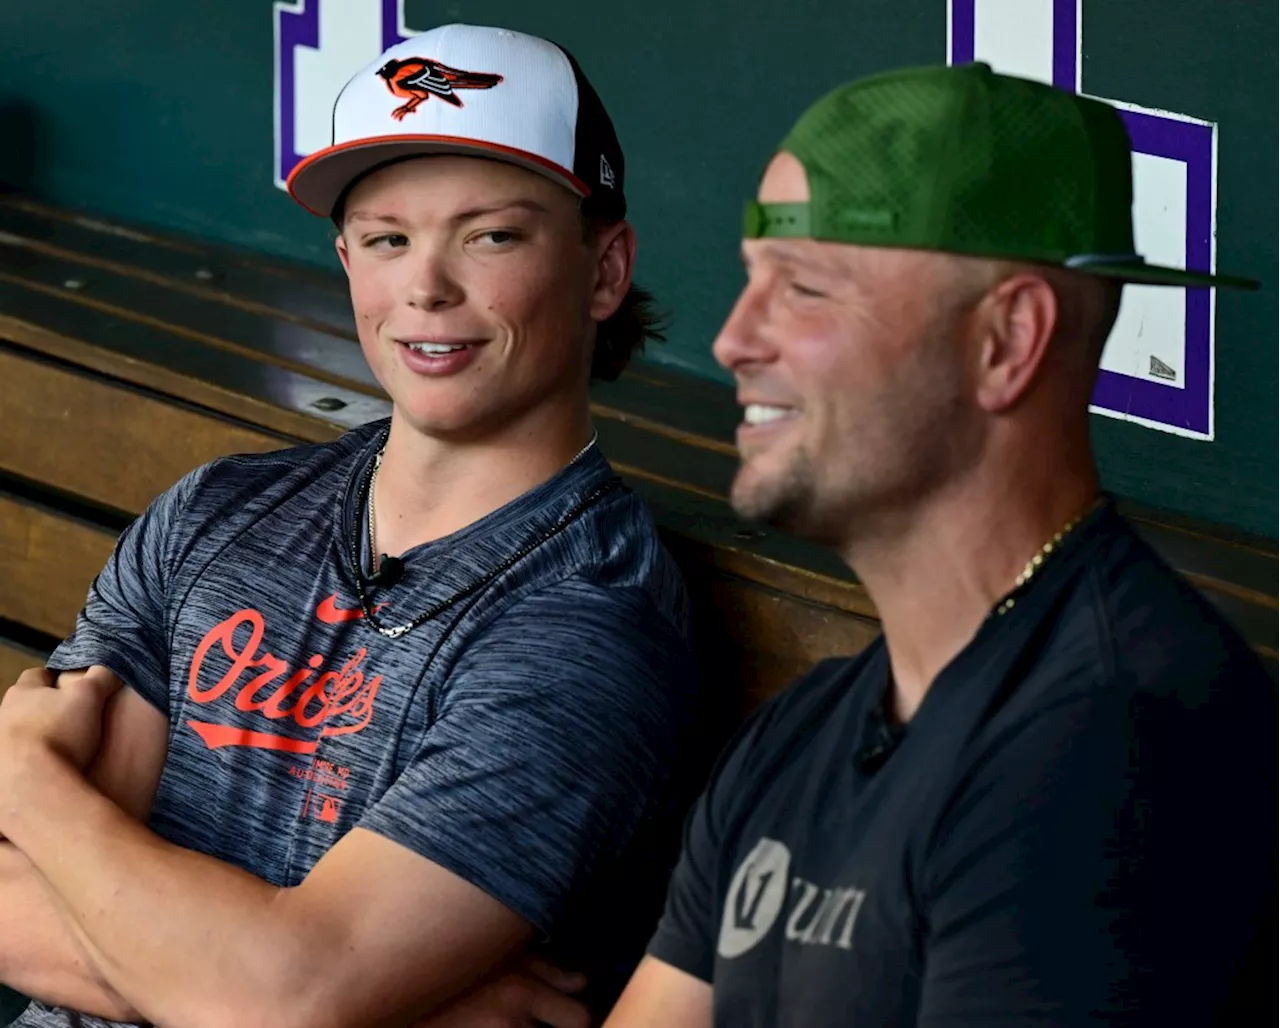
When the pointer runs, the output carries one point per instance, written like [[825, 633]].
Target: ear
[[1019, 319], [615, 259], [340, 244]]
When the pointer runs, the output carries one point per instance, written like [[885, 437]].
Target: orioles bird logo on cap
[[419, 79]]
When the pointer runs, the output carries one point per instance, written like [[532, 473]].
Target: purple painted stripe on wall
[[1187, 408], [963, 30], [390, 24], [296, 28], [1066, 71]]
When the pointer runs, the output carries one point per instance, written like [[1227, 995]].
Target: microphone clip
[[390, 571]]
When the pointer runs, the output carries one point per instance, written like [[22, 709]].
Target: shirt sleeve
[[1104, 863], [556, 730], [123, 624], [686, 934]]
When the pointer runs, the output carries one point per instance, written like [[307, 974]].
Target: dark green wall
[[161, 113]]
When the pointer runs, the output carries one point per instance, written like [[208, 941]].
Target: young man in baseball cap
[[1047, 796], [399, 708]]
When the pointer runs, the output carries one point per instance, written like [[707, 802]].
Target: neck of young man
[[430, 487], [946, 564]]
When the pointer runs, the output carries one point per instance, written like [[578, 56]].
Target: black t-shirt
[[1078, 826]]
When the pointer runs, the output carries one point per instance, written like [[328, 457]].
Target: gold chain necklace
[[1034, 565]]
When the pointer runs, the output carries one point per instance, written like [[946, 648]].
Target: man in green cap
[[1047, 795]]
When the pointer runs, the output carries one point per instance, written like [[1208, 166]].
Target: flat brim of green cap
[[1141, 273]]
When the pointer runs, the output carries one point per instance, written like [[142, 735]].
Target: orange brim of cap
[[318, 180]]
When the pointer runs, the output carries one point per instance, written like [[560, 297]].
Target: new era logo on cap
[[471, 90]]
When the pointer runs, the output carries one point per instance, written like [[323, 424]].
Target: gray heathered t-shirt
[[525, 737]]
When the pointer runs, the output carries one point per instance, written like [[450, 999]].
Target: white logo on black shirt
[[607, 177], [817, 916], [823, 917], [755, 897]]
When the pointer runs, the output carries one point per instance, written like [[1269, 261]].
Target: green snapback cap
[[964, 160]]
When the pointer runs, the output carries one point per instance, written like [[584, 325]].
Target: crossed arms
[[97, 914], [40, 953], [102, 915]]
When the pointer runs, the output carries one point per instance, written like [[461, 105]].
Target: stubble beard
[[914, 442], [786, 499]]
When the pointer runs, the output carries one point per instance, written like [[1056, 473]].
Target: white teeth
[[759, 414], [436, 348]]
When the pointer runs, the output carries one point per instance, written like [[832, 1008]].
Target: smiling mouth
[[764, 414], [436, 349]]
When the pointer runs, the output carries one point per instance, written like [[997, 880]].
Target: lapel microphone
[[390, 571], [885, 737]]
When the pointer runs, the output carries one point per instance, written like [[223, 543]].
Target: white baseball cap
[[476, 91]]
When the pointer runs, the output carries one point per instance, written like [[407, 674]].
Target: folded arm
[[374, 932], [40, 953]]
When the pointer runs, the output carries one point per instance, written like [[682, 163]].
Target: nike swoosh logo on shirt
[[330, 613]]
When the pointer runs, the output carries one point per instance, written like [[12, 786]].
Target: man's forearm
[[183, 937], [40, 955]]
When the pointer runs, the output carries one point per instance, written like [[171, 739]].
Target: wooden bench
[[126, 359]]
